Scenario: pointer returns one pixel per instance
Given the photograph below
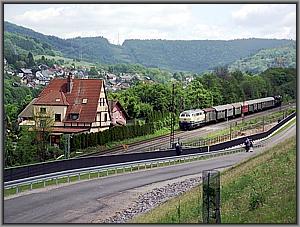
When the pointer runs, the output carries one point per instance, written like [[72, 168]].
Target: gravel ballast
[[153, 198]]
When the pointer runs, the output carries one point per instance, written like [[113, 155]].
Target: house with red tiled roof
[[75, 105], [118, 115]]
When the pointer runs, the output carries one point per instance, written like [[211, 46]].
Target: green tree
[[30, 60]]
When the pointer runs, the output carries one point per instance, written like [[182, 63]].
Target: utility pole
[[68, 146], [172, 134]]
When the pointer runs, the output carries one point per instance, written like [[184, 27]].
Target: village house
[[25, 73], [74, 105], [126, 78], [118, 115]]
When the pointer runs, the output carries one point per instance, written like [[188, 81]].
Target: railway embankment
[[259, 190]]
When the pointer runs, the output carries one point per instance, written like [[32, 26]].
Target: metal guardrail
[[113, 167]]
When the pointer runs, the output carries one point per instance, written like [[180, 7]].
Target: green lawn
[[260, 190]]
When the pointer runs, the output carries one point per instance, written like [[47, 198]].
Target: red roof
[[81, 89], [54, 97]]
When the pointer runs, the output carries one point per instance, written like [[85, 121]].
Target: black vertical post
[[172, 135], [68, 154], [211, 197], [263, 123], [230, 129]]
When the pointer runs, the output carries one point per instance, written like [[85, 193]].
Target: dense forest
[[178, 55]]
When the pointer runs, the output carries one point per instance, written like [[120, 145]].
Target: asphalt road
[[82, 202]]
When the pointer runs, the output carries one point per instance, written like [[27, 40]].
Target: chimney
[[69, 83]]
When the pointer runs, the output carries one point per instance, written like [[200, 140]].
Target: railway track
[[163, 142]]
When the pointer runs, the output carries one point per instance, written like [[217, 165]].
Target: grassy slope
[[261, 190]]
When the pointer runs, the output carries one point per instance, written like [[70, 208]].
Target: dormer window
[[84, 101], [74, 116]]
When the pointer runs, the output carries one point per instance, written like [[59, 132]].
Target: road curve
[[83, 202]]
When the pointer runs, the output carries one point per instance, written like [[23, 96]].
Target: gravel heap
[[149, 200]]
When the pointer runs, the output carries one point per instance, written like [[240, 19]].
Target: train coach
[[190, 119]]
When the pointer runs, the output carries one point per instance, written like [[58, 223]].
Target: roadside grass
[[261, 189]]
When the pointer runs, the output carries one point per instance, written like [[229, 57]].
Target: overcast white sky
[[157, 21]]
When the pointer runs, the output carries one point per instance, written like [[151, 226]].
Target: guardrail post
[[106, 172], [89, 175], [68, 179], [98, 173], [17, 189], [44, 183], [78, 176], [130, 168], [123, 169], [56, 181], [31, 186]]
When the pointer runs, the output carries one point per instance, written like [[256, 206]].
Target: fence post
[[211, 196]]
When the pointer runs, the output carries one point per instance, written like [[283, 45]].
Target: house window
[[58, 117], [42, 123], [43, 110], [105, 117], [74, 116], [84, 101], [101, 101]]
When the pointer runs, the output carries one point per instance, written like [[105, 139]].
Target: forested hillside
[[178, 55], [196, 55], [267, 58]]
